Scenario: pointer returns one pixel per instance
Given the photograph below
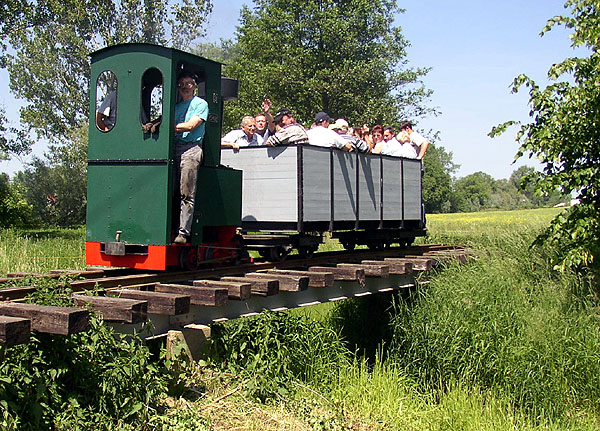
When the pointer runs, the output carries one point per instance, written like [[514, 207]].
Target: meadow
[[503, 342], [41, 250]]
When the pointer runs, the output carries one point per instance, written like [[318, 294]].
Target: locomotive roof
[[146, 47]]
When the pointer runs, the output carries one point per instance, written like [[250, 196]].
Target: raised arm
[[266, 106]]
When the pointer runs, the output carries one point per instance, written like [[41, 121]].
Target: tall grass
[[501, 343], [271, 350], [41, 250], [384, 395], [506, 323]]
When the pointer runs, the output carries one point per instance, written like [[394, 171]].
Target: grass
[[504, 342], [41, 250]]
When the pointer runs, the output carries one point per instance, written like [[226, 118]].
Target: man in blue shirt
[[190, 117]]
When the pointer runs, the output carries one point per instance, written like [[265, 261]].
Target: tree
[[473, 192], [563, 135], [51, 40], [524, 179], [13, 141], [226, 51], [56, 186], [341, 56], [505, 196], [14, 209], [437, 181], [49, 67]]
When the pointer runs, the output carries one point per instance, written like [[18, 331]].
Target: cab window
[[152, 100], [106, 101]]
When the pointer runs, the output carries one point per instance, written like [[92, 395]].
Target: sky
[[474, 49]]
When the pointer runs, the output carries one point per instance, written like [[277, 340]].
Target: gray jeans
[[187, 160]]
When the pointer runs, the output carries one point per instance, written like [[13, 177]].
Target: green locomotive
[[132, 207]]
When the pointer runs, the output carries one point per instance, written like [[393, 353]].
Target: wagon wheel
[[188, 258], [406, 242], [307, 251], [348, 246], [376, 245], [277, 254]]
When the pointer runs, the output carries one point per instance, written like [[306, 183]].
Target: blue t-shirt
[[184, 111]]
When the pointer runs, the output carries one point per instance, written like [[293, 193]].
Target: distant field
[[469, 227], [481, 221]]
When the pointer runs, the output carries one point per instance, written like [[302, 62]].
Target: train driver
[[190, 117]]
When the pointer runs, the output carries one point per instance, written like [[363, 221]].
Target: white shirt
[[239, 137], [324, 137], [395, 149], [262, 139], [415, 141]]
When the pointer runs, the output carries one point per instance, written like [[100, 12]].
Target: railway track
[[128, 298]]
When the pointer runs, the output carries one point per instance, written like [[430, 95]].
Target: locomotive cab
[[132, 207]]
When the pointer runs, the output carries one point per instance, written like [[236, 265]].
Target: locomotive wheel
[[188, 258], [277, 254]]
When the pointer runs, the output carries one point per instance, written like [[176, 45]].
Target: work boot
[[180, 239]]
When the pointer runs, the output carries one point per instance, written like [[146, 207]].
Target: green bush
[[93, 380], [63, 381]]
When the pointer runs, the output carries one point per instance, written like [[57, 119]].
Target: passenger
[[190, 117], [341, 127], [322, 136], [388, 134], [265, 126], [243, 137], [389, 146], [376, 136], [408, 150], [106, 116], [289, 132], [364, 134], [417, 141]]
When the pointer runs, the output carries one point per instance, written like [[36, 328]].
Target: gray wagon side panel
[[316, 187], [369, 187], [344, 185], [269, 190], [392, 189], [412, 189]]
